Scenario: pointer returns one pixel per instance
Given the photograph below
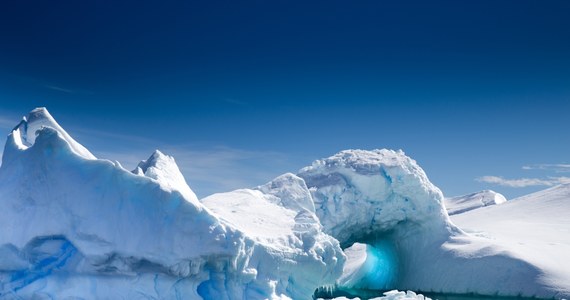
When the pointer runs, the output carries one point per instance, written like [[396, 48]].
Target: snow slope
[[534, 228], [461, 204], [383, 199], [75, 226]]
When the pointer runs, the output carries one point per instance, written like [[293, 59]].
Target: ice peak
[[39, 113], [156, 159], [24, 134], [163, 168]]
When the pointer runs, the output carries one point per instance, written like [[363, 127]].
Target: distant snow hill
[[77, 227], [461, 204], [534, 228]]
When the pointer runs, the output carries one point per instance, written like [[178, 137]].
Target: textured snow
[[461, 204], [75, 226]]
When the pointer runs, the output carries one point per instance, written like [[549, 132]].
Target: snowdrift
[[76, 226]]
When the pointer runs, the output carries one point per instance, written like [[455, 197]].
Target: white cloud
[[558, 168], [523, 182]]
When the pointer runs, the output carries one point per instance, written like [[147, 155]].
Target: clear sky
[[241, 91]]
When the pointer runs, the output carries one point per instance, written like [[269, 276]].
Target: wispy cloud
[[523, 182], [59, 89], [558, 168]]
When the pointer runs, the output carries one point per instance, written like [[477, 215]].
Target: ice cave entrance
[[381, 265]]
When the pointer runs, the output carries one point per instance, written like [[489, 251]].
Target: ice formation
[[75, 226], [384, 200], [461, 204], [392, 295]]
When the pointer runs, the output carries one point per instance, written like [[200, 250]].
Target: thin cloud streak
[[558, 168], [523, 182], [59, 89]]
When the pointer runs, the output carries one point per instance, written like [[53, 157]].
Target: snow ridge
[[461, 204]]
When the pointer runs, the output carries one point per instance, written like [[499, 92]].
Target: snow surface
[[75, 226], [534, 228], [461, 204]]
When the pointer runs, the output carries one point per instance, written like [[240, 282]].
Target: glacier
[[75, 226]]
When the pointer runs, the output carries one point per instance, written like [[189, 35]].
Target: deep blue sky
[[241, 91]]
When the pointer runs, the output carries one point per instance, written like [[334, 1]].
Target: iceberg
[[393, 224], [77, 226], [74, 226]]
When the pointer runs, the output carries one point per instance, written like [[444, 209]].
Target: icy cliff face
[[461, 204], [359, 194], [75, 226]]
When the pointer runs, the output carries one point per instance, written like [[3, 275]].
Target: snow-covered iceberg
[[76, 226], [396, 232], [461, 204]]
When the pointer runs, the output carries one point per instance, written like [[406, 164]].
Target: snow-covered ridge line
[[461, 204]]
